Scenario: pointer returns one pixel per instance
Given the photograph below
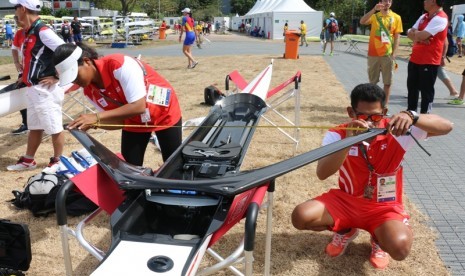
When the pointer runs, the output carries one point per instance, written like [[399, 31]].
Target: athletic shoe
[[456, 102], [452, 97], [21, 130], [378, 258], [23, 165], [331, 54], [53, 161], [339, 244], [324, 54], [194, 64]]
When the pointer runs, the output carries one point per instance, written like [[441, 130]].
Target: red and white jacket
[[385, 153], [127, 80], [430, 53]]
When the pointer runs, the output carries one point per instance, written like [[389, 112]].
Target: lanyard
[[369, 189]]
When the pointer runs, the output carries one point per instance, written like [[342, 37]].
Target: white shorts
[[44, 108]]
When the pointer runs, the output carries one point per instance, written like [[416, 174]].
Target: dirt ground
[[293, 252]]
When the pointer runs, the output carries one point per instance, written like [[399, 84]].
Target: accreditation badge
[[158, 95], [386, 185], [385, 37]]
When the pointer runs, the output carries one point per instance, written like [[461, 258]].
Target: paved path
[[435, 184]]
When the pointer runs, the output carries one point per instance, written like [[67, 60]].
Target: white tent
[[271, 15]]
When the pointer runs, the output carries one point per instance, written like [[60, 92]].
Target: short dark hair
[[367, 92], [65, 50], [440, 3]]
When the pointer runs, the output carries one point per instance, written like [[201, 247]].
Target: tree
[[63, 12], [45, 11], [242, 6], [347, 11]]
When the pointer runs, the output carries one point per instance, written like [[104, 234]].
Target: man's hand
[[48, 81], [399, 124], [379, 6], [83, 122], [363, 125]]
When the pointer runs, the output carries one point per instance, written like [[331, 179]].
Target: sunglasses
[[372, 117]]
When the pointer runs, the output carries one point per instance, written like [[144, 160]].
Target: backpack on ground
[[65, 29], [40, 193], [15, 248], [332, 26], [212, 95]]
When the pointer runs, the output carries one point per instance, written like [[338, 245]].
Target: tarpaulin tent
[[271, 15]]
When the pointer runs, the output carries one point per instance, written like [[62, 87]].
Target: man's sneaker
[[456, 102], [338, 245], [23, 164], [331, 54], [21, 130], [378, 258]]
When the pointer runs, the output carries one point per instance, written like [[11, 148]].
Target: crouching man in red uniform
[[370, 179]]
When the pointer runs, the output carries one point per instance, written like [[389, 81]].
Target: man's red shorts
[[353, 212]]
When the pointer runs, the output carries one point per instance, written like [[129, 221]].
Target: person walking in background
[[187, 26], [442, 75], [76, 28], [303, 33], [66, 32], [44, 96], [460, 33], [198, 34], [460, 99], [331, 29], [8, 33], [386, 27], [370, 190], [285, 29], [17, 55], [428, 53], [127, 92]]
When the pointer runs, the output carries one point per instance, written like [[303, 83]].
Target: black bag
[[40, 193], [65, 30], [211, 95], [15, 248], [452, 48]]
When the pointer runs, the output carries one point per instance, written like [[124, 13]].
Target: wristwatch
[[414, 116]]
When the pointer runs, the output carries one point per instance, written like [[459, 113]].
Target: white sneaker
[[451, 97], [21, 165]]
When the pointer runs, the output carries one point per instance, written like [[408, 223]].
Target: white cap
[[68, 69], [332, 14], [186, 10], [33, 5]]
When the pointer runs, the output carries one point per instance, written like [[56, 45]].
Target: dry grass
[[294, 252]]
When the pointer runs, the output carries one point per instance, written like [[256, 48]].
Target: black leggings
[[421, 78], [24, 116], [134, 144]]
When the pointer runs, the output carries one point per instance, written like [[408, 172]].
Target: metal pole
[[159, 10]]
